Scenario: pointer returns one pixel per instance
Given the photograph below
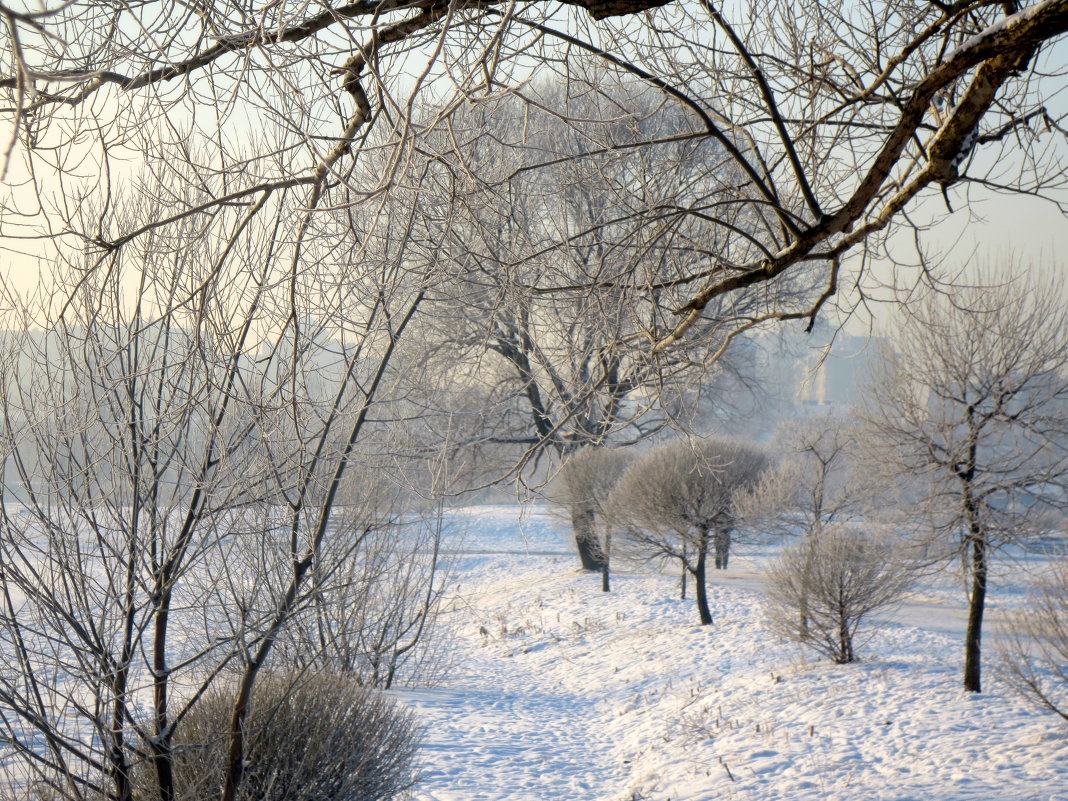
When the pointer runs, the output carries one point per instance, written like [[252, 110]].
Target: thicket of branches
[[1035, 645], [222, 311], [673, 172], [832, 121], [176, 448], [821, 590]]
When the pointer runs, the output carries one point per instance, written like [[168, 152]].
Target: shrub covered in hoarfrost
[[821, 590], [313, 737]]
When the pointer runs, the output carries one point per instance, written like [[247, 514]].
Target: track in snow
[[486, 743]]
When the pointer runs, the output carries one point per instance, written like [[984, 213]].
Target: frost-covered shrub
[[1035, 653], [678, 502], [315, 737], [820, 591]]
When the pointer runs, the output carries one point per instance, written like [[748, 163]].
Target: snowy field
[[560, 692]]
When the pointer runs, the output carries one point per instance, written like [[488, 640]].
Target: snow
[[563, 692]]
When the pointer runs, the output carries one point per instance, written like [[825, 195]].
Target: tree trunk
[[606, 579], [722, 545], [845, 640], [583, 524], [976, 607], [806, 584], [699, 581]]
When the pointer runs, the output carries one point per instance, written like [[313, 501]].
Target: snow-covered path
[[500, 728], [484, 744]]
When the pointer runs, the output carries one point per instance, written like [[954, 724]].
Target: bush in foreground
[[313, 737]]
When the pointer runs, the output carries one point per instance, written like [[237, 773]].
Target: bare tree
[[819, 467], [816, 483], [576, 362], [175, 440], [586, 481], [677, 501], [1035, 647], [837, 119], [836, 580], [373, 611], [971, 411]]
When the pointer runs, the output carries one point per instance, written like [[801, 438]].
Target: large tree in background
[[972, 412], [575, 362]]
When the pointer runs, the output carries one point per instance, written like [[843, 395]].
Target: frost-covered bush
[[678, 502], [313, 737], [821, 590], [1035, 653]]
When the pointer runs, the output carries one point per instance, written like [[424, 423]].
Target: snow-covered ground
[[560, 691]]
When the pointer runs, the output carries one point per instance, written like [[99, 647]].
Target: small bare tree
[[372, 611], [677, 501], [1035, 649], [814, 485], [971, 411], [834, 580]]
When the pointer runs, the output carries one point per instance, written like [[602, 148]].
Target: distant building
[[834, 376]]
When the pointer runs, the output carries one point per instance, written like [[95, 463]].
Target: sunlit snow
[[562, 692]]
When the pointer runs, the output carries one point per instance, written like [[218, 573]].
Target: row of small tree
[[679, 502], [960, 448]]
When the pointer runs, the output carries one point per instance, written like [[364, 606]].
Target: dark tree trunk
[[976, 607], [606, 578], [584, 524], [722, 545], [684, 573], [699, 581], [845, 641]]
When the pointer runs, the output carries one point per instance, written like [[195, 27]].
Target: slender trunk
[[976, 548], [118, 765], [161, 745], [118, 758], [685, 572], [845, 637], [806, 584], [722, 545], [583, 523], [699, 581], [606, 579], [976, 607]]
